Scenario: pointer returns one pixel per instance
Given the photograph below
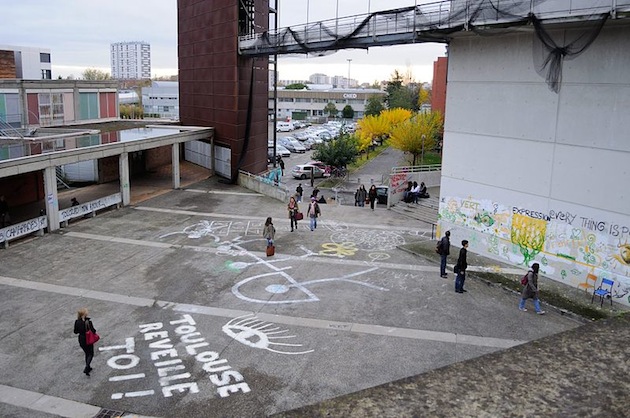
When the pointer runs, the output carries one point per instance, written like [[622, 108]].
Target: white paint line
[[44, 403], [281, 319], [317, 259], [257, 218], [224, 193], [126, 377]]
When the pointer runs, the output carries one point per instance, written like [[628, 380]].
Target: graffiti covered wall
[[572, 248]]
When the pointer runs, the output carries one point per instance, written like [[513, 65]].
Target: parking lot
[[196, 321]]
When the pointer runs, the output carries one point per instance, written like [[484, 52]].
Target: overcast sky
[[79, 34]]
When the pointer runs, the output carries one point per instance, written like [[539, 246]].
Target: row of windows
[[325, 101]]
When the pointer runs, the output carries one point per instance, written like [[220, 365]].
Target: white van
[[284, 127]]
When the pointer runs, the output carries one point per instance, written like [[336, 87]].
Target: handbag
[[271, 250], [299, 216], [90, 336]]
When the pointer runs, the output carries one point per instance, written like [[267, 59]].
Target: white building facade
[[309, 104], [131, 60], [161, 99], [531, 175], [31, 63]]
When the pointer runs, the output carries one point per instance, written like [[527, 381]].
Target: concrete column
[[123, 172], [52, 203], [175, 165]]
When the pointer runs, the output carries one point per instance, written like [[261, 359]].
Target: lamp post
[[348, 82], [424, 137]]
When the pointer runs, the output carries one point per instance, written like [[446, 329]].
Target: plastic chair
[[591, 281], [603, 293]]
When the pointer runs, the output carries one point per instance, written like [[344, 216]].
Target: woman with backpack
[[530, 289]]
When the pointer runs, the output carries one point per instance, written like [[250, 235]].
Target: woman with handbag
[[269, 232], [293, 209], [87, 336]]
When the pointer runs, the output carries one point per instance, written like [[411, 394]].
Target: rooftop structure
[[27, 63]]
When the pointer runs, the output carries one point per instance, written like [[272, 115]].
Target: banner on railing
[[89, 207], [23, 228]]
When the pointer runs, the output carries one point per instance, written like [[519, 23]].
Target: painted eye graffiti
[[253, 332]]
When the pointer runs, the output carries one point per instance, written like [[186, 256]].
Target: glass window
[[44, 57]]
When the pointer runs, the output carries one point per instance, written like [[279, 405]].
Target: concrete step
[[421, 212]]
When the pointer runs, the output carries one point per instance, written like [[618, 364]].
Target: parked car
[[284, 127], [325, 168], [381, 194], [280, 151], [292, 145], [303, 171]]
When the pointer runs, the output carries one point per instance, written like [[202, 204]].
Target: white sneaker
[[522, 309], [540, 312]]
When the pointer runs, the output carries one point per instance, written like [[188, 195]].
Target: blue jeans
[[459, 281], [313, 222], [443, 264], [536, 304]]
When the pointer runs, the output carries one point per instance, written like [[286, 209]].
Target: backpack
[[525, 279], [438, 247]]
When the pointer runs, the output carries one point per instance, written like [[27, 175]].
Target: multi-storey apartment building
[[131, 60], [26, 63]]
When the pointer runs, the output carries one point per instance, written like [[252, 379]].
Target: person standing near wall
[[530, 290], [281, 162], [444, 249], [460, 268]]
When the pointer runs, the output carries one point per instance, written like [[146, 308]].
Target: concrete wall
[[263, 186], [531, 175]]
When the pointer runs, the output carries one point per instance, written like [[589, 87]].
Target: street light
[[424, 137], [348, 82]]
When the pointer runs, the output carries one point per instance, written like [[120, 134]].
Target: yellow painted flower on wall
[[529, 234]]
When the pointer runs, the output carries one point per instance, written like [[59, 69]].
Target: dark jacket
[[372, 194], [461, 261], [80, 327], [445, 245], [530, 290]]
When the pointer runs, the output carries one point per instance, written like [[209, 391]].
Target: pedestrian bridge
[[431, 22]]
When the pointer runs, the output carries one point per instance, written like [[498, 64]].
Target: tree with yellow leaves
[[417, 134], [394, 117], [370, 129]]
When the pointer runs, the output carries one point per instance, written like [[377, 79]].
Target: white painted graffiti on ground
[[218, 229], [170, 370], [253, 332]]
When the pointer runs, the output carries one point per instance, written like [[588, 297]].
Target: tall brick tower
[[220, 88]]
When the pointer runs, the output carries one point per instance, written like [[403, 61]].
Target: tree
[[95, 75], [418, 134], [339, 152], [347, 112], [374, 106], [371, 129], [424, 96], [403, 98], [331, 109], [296, 86]]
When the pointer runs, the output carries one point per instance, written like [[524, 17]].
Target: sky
[[79, 34]]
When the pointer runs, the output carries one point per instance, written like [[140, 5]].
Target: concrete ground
[[196, 321]]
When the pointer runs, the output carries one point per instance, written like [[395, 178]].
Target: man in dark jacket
[[444, 249], [460, 268]]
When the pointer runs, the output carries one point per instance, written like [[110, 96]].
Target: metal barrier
[[32, 226]]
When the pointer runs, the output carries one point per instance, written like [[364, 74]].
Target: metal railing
[[416, 168]]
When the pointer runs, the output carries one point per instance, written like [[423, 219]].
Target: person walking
[[315, 193], [81, 325], [293, 209], [460, 268], [362, 196], [372, 196], [281, 162], [530, 290], [444, 249], [298, 192], [313, 212], [269, 231]]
